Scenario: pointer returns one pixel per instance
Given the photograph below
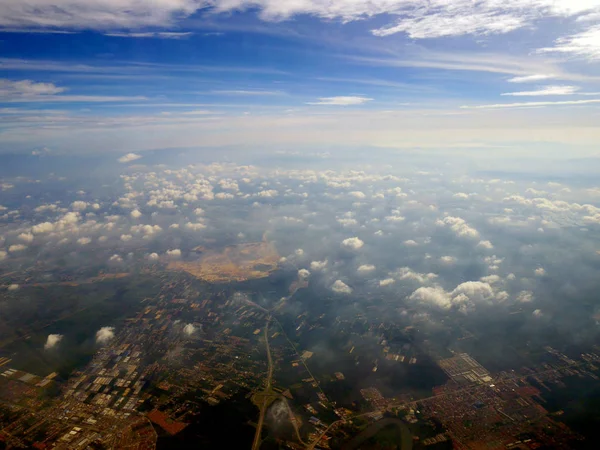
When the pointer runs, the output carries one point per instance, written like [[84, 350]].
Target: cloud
[[530, 78], [341, 288], [153, 34], [17, 248], [459, 227], [303, 274], [3, 255], [136, 214], [129, 157], [386, 282], [585, 44], [26, 88], [42, 228], [13, 287], [52, 341], [341, 101], [485, 244], [435, 296], [537, 313], [532, 104], [79, 205], [153, 257], [352, 243], [105, 334], [365, 269], [115, 259], [318, 265], [547, 90], [174, 254], [411, 243], [448, 259], [26, 237], [540, 272], [84, 241], [525, 297], [189, 329]]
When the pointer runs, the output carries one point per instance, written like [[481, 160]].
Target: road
[[267, 393]]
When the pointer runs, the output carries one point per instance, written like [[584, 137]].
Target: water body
[[406, 441]]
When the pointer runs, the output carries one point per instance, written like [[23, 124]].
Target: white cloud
[[84, 241], [525, 297], [189, 329], [530, 78], [13, 287], [303, 274], [341, 288], [3, 255], [485, 244], [195, 226], [341, 101], [352, 243], [153, 34], [411, 243], [105, 334], [126, 237], [136, 214], [458, 226], [386, 282], [585, 44], [26, 88], [537, 313], [42, 228], [129, 157], [357, 194], [175, 253], [448, 259], [115, 259], [52, 341], [17, 248], [365, 269], [547, 90], [435, 296], [540, 272], [406, 273], [318, 265], [153, 256], [26, 237], [533, 104], [79, 205]]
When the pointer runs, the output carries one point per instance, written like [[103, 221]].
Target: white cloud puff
[[153, 256], [26, 237], [105, 334], [84, 241], [448, 260], [352, 243], [525, 297], [459, 226], [136, 214], [411, 243], [115, 259], [303, 274], [79, 205], [485, 244], [126, 237], [174, 254], [540, 272], [52, 341], [13, 287], [365, 269], [189, 329], [41, 228], [341, 288], [3, 255], [318, 265], [17, 248], [386, 282], [129, 157]]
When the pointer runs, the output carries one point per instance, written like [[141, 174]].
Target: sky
[[96, 76]]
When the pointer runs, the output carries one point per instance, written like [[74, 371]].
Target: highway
[[267, 393]]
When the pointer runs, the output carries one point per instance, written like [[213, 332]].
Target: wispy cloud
[[532, 104], [584, 45], [547, 90], [153, 34], [341, 101], [530, 78], [249, 92]]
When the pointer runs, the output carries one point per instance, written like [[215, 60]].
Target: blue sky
[[124, 75]]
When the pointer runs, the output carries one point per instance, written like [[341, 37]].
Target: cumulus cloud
[[136, 214], [26, 237], [303, 274], [459, 227], [465, 297], [105, 334], [129, 157], [341, 288], [52, 341], [174, 253], [485, 244], [411, 243], [386, 282], [448, 259], [79, 205], [3, 255], [540, 272], [13, 287], [435, 296], [318, 265], [525, 297], [41, 228], [126, 237], [115, 259], [189, 329], [537, 313], [84, 241], [352, 243], [15, 248], [365, 269], [153, 256]]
